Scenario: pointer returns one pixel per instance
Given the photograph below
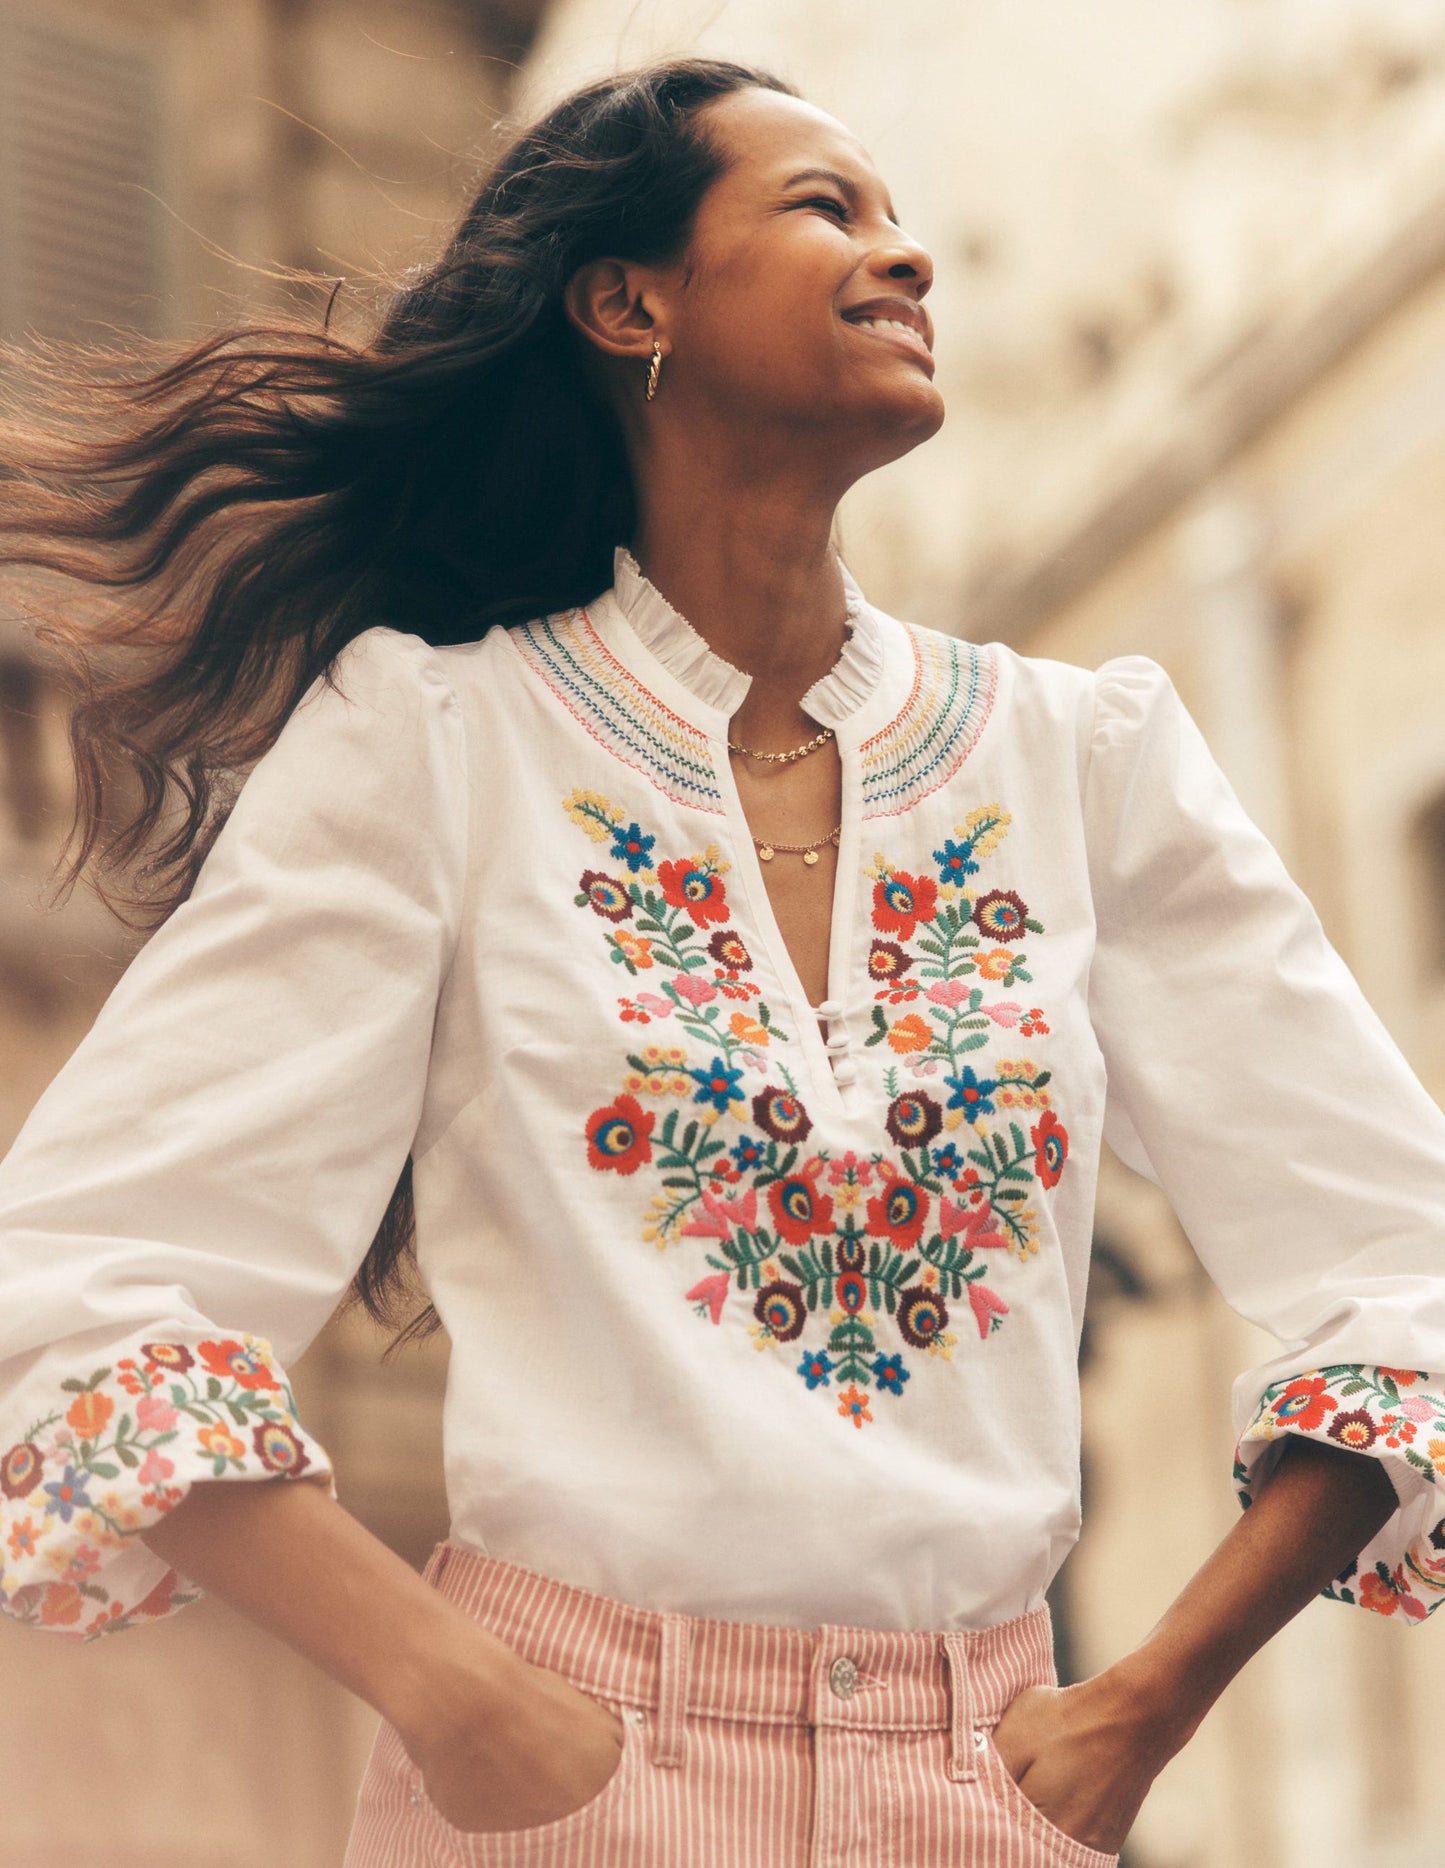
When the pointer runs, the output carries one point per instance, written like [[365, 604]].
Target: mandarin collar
[[672, 641]]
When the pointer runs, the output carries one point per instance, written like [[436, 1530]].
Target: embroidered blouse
[[759, 1309]]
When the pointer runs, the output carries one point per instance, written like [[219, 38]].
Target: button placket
[[838, 1042]]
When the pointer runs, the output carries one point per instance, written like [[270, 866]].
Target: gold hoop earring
[[654, 369]]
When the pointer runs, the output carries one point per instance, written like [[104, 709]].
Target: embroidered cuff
[[117, 1448], [1398, 1415]]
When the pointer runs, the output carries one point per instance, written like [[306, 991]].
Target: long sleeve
[[191, 1197], [1250, 1079]]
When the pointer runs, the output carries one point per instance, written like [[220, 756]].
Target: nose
[[903, 258]]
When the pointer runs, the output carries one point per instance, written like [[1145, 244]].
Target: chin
[[907, 422]]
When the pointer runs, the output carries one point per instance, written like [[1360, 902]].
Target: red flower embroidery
[[1305, 1404], [1377, 1594], [617, 1135], [1051, 1148], [689, 884], [61, 1604], [245, 1365], [901, 901], [799, 1210], [899, 1212]]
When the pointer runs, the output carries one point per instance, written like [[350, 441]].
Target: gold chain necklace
[[781, 758], [808, 851]]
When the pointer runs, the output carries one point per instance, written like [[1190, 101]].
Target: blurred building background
[[1190, 312]]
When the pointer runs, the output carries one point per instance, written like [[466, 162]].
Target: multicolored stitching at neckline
[[928, 739], [950, 700], [618, 710]]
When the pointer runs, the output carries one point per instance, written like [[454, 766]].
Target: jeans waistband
[[679, 1665]]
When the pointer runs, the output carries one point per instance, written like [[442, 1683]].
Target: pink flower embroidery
[[696, 991], [723, 1215], [712, 1292], [155, 1413], [988, 1308], [155, 1466], [973, 1221]]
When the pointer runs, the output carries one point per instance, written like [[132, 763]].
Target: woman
[[728, 972]]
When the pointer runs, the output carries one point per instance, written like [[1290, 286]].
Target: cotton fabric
[[760, 1310]]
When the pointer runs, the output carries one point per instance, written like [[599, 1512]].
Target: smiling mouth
[[903, 335]]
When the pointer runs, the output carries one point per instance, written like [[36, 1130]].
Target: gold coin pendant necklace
[[808, 851]]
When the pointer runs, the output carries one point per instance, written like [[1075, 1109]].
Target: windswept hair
[[246, 507]]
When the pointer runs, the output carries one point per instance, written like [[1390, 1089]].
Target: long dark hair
[[245, 508]]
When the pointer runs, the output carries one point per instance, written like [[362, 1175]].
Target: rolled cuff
[[109, 1450], [1398, 1417]]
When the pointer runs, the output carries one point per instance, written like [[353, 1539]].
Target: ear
[[613, 305]]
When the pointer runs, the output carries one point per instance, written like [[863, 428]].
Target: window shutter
[[82, 246]]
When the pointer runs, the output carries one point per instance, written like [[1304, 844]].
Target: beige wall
[[1315, 555]]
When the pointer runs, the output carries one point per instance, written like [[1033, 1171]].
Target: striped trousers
[[746, 1745]]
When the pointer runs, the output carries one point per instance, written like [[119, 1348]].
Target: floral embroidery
[[86, 1479], [1389, 1416], [839, 1242]]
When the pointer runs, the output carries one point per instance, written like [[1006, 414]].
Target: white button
[[838, 1042], [843, 1676], [830, 1008], [845, 1071]]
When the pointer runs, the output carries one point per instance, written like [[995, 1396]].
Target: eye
[[825, 201]]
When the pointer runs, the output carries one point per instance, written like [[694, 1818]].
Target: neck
[[752, 568]]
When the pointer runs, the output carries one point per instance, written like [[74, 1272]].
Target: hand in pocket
[[1077, 1755], [542, 1750]]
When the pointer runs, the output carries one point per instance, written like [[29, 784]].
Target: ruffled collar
[[672, 640]]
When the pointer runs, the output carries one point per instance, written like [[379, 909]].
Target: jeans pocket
[[490, 1848], [1070, 1852]]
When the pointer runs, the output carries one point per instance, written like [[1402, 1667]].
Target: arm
[[189, 1199], [1087, 1754], [501, 1743]]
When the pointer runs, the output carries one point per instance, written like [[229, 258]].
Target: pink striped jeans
[[746, 1745]]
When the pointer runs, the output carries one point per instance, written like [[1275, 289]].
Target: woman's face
[[762, 323]]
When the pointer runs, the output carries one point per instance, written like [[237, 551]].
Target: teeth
[[890, 324]]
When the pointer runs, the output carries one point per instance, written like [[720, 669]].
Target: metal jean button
[[843, 1676]]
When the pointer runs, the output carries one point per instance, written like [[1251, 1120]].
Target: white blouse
[[759, 1309]]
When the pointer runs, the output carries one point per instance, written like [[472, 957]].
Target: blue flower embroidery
[[971, 1093], [955, 860], [717, 1085], [889, 1373], [630, 846]]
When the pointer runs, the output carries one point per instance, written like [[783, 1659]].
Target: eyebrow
[[839, 180]]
